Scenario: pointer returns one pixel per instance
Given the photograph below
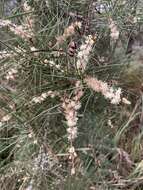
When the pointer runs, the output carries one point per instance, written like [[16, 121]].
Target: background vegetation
[[37, 57]]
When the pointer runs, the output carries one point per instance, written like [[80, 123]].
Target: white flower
[[116, 97], [115, 101], [72, 152], [44, 95], [72, 122], [72, 171], [73, 103], [109, 95], [110, 123], [6, 118], [77, 106], [46, 61], [33, 49], [30, 135], [52, 63], [4, 23], [71, 149], [6, 54], [14, 71], [58, 66], [115, 35], [71, 113], [125, 101], [26, 7], [36, 99], [72, 133], [78, 24]]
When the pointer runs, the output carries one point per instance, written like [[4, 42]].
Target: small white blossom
[[72, 122], [110, 123], [73, 171], [4, 23], [14, 71], [125, 101], [6, 118], [44, 95], [116, 99], [6, 54], [72, 150], [26, 7], [30, 135], [36, 100], [72, 133]]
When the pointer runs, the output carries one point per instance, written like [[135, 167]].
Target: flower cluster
[[70, 107], [25, 30], [54, 65], [5, 119], [70, 111], [69, 31], [21, 31], [10, 54], [44, 95], [26, 7], [4, 23], [108, 92], [113, 29], [34, 51], [83, 53], [11, 74], [72, 156], [6, 54]]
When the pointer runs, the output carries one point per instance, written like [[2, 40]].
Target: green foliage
[[33, 142]]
